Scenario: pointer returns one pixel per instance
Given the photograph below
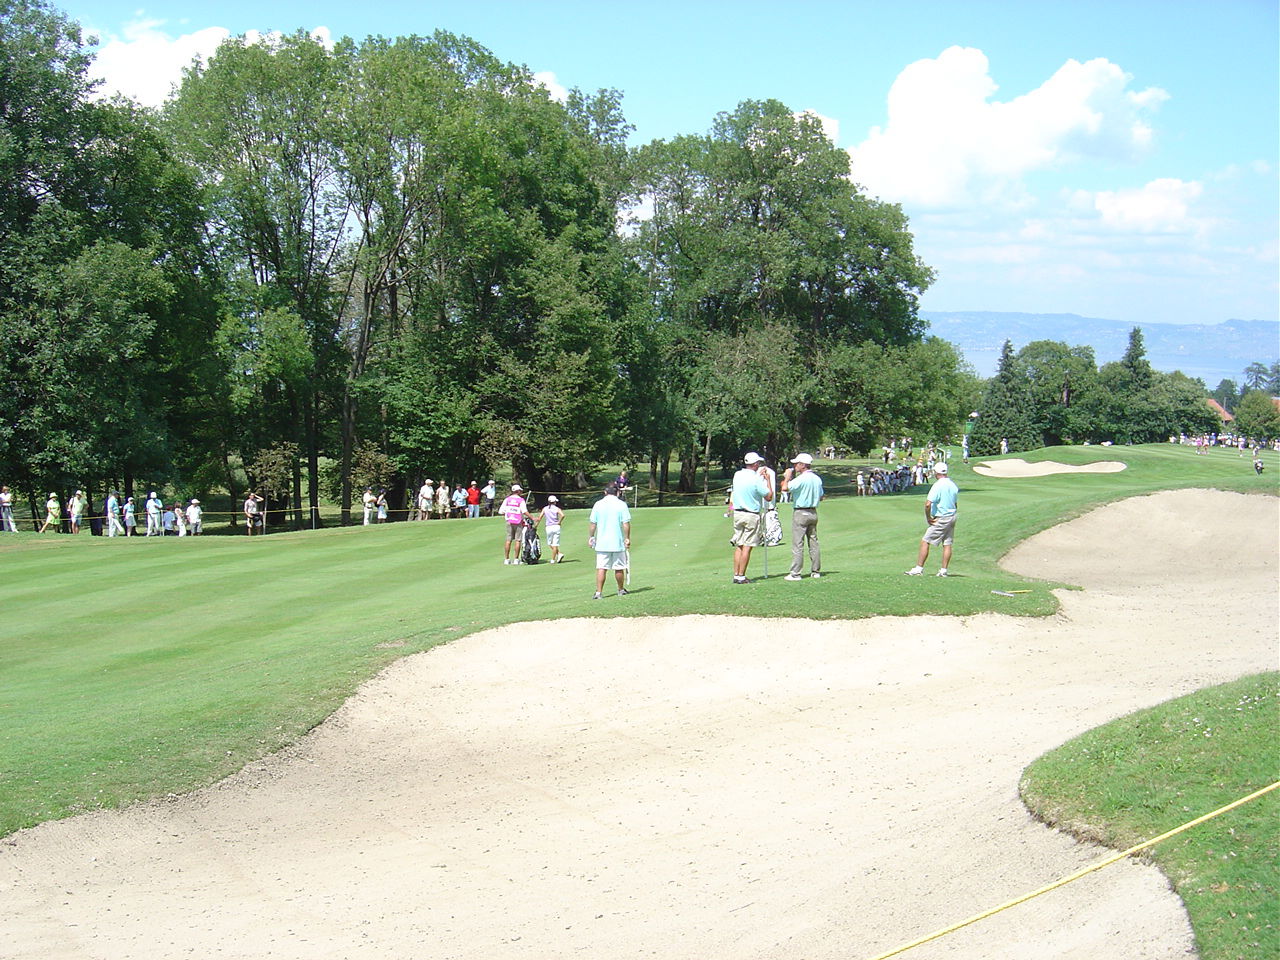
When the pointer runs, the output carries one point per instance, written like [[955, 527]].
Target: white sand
[[699, 787], [1016, 468]]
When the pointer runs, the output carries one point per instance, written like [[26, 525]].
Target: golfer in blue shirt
[[806, 494]]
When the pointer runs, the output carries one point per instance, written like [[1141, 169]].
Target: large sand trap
[[1015, 468], [691, 788]]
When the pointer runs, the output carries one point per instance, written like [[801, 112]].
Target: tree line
[[317, 269]]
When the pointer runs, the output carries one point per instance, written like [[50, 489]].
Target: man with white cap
[[940, 514], [806, 494], [195, 517], [750, 492], [514, 509], [155, 507]]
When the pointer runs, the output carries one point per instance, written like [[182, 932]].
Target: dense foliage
[[318, 268]]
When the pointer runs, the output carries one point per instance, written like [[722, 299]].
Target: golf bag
[[772, 528], [531, 550]]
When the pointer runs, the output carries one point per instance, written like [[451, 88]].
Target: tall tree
[[253, 121], [1058, 376], [102, 306], [1007, 411], [757, 227]]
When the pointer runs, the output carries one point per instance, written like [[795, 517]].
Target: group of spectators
[[121, 516], [1204, 442], [434, 500]]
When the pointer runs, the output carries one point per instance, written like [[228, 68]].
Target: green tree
[[1257, 376], [757, 226], [1257, 416], [1227, 393], [1057, 376], [104, 304], [252, 121], [1006, 412]]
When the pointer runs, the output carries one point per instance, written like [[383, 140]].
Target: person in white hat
[[154, 508], [940, 515], [514, 509], [195, 517], [552, 515], [52, 513], [426, 496], [806, 494], [748, 498]]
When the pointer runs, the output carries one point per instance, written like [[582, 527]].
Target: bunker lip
[[697, 786], [1015, 468]]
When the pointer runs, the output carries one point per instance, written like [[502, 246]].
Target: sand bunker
[[695, 787], [1015, 468]]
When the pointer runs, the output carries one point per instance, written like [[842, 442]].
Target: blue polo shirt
[[943, 495], [749, 489], [609, 514], [806, 490]]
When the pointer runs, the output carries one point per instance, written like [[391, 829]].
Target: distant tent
[[1220, 410]]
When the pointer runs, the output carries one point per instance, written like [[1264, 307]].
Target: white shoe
[[943, 572], [793, 576], [815, 576], [915, 571]]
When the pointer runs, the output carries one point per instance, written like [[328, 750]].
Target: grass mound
[[1144, 774]]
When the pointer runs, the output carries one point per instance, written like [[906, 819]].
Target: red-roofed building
[[1220, 410]]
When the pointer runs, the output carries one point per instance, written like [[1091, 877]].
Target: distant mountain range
[[1211, 352]]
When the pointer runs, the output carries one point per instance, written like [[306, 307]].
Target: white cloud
[[1161, 206], [554, 87], [948, 144], [145, 62]]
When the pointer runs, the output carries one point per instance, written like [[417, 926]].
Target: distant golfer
[[806, 494], [610, 538], [940, 514]]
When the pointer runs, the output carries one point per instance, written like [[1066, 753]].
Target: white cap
[[752, 458], [940, 467], [153, 493], [802, 458], [516, 486], [552, 500], [194, 500]]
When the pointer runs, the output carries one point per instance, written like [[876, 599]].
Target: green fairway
[[139, 668]]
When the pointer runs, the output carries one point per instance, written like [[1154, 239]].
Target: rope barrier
[[1077, 875]]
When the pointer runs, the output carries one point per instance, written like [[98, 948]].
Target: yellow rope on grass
[[1077, 875]]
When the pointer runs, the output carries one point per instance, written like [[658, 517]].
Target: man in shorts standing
[[750, 492], [940, 514], [610, 538], [514, 509]]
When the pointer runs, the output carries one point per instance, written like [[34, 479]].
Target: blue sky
[[1114, 159]]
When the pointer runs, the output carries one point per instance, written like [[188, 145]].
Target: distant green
[[140, 668]]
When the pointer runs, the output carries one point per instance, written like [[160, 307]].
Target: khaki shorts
[[941, 530], [515, 531], [746, 529], [611, 560]]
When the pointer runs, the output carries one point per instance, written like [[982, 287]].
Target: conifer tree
[[1007, 411]]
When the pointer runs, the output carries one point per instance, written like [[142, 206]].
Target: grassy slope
[[134, 669], [1142, 775]]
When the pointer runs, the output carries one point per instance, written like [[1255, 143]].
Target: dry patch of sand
[[1016, 468], [695, 787]]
